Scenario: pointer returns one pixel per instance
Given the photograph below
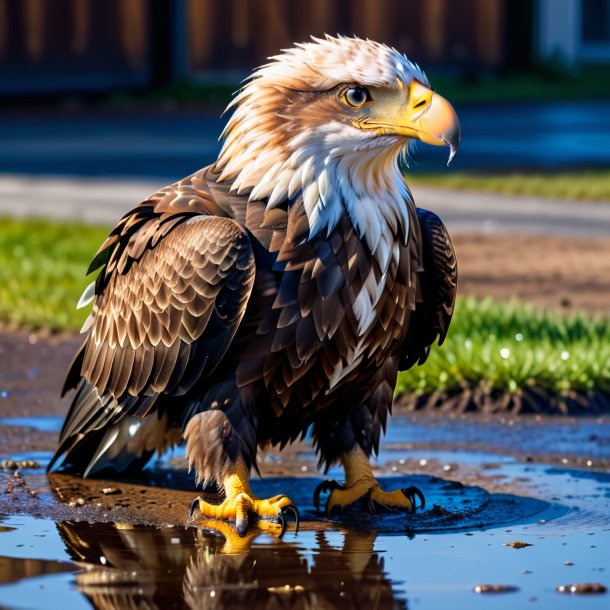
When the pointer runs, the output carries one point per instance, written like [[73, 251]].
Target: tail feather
[[98, 437], [89, 413], [117, 452]]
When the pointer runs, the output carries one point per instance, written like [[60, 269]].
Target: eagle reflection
[[199, 568]]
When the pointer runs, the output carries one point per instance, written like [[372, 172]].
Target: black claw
[[291, 509], [323, 487], [194, 505], [371, 505], [282, 517], [241, 525], [412, 493]]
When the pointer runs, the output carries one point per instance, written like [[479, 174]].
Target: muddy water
[[484, 493]]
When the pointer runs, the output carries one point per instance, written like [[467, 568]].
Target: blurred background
[[75, 46], [102, 102], [87, 59]]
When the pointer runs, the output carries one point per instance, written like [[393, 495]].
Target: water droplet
[[565, 355], [518, 337], [505, 352]]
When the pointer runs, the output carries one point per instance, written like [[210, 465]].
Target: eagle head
[[325, 122]]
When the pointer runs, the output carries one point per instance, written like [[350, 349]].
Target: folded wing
[[173, 289], [432, 315]]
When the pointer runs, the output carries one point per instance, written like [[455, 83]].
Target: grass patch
[[513, 356], [42, 271], [182, 92], [576, 185]]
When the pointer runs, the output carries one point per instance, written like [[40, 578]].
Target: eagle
[[275, 293]]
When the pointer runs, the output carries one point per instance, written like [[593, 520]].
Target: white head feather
[[270, 152]]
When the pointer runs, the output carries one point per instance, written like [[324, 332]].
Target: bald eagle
[[276, 291]]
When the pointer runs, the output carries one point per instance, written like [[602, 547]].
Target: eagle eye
[[356, 96]]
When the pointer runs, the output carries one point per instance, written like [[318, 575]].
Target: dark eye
[[356, 96]]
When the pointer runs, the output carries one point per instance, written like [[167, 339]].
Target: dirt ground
[[560, 273]]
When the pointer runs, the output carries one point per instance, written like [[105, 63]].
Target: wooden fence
[[80, 45]]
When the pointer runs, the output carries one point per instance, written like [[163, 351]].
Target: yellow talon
[[240, 503], [360, 484]]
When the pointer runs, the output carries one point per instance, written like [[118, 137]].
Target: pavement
[[104, 201]]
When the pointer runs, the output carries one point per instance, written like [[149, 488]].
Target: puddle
[[63, 538], [425, 561], [554, 437], [38, 423]]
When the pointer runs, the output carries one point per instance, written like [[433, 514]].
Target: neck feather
[[265, 161]]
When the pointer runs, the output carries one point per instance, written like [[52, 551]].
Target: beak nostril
[[421, 103]]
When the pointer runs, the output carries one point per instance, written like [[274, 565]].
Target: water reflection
[[134, 567]]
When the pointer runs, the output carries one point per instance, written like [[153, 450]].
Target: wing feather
[[155, 306], [433, 314], [166, 309]]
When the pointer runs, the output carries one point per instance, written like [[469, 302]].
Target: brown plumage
[[281, 287]]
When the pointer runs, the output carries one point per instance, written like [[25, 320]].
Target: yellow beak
[[431, 119], [427, 116]]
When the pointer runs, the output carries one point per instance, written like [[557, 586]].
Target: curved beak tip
[[440, 126], [453, 142]]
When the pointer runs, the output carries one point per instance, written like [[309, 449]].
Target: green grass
[[507, 355], [538, 84], [589, 185], [42, 271], [511, 353]]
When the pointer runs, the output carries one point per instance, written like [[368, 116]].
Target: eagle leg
[[240, 503], [360, 484]]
